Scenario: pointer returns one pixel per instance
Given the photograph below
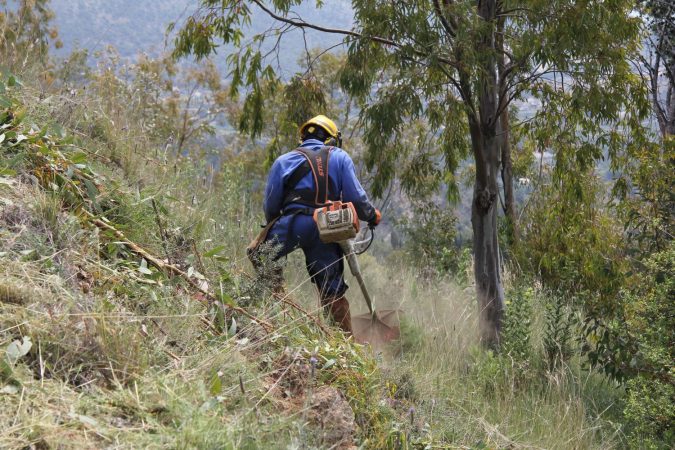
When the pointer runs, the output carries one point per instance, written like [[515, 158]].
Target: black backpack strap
[[317, 163], [296, 176]]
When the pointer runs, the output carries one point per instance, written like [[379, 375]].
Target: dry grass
[[123, 361], [462, 395]]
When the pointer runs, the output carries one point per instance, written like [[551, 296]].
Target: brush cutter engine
[[336, 222]]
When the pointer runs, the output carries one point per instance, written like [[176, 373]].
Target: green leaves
[[215, 384], [214, 251], [18, 349], [12, 81], [6, 86], [78, 158], [143, 267], [92, 193], [52, 154], [223, 21]]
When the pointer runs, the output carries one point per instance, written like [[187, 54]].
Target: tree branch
[[653, 71], [509, 12], [513, 65], [378, 39], [449, 28]]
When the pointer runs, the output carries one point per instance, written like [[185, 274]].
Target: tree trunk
[[485, 145], [670, 104], [487, 275], [507, 178], [504, 141]]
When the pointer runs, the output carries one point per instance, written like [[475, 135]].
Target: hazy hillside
[[137, 26]]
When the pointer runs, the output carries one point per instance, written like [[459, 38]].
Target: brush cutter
[[339, 223]]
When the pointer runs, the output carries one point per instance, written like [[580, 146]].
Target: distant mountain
[[130, 26], [134, 26]]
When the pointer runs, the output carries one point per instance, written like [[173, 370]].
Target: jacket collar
[[312, 143]]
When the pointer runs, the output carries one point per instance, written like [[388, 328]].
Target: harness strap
[[317, 163], [296, 211], [296, 176]]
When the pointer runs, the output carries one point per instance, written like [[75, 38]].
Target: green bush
[[650, 413], [649, 337], [559, 331], [430, 238], [573, 243], [517, 327]]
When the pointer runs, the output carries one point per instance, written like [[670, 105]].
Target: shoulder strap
[[317, 163], [297, 175]]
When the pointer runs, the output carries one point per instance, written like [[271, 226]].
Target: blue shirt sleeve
[[352, 191], [274, 192]]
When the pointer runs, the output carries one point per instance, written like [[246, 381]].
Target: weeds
[[517, 328], [560, 321]]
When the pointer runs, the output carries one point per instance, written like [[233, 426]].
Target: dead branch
[[170, 268]]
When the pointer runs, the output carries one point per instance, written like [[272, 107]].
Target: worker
[[300, 181]]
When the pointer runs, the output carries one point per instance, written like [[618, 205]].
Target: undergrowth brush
[[104, 345]]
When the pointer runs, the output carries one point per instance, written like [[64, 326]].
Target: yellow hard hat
[[320, 121]]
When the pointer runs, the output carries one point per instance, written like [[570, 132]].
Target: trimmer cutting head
[[339, 223], [376, 329]]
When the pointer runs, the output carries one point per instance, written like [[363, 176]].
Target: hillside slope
[[106, 345], [129, 318]]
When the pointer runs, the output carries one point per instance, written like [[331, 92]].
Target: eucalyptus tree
[[458, 64], [644, 189], [26, 31], [659, 61]]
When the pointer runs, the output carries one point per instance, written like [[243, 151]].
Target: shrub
[[558, 332], [574, 244], [649, 341], [650, 413], [430, 239], [517, 327]]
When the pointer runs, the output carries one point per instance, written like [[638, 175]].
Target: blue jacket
[[344, 185]]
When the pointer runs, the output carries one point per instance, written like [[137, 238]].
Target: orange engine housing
[[337, 222]]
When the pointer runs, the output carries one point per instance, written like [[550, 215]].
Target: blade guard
[[336, 222]]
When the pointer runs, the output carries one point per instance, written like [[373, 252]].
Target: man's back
[[343, 184]]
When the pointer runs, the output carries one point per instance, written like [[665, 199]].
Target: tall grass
[[463, 395], [120, 358]]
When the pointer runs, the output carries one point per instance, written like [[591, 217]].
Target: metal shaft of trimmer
[[350, 255]]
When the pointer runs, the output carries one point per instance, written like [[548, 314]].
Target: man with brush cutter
[[313, 176]]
